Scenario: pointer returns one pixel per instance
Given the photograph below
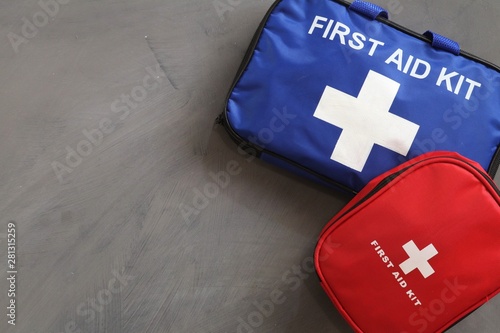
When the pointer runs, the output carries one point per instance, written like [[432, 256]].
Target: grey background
[[119, 211]]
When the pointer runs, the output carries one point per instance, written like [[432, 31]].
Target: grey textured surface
[[105, 247]]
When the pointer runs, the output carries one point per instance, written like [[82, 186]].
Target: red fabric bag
[[417, 249]]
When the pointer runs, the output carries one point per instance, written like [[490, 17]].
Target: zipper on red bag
[[391, 177]]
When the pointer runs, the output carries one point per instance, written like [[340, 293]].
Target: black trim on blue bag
[[257, 151], [495, 163]]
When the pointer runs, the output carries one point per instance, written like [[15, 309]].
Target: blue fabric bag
[[336, 91]]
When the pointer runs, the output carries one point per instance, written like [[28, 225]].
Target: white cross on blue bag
[[338, 92]]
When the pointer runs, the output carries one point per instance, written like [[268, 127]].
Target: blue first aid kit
[[339, 92]]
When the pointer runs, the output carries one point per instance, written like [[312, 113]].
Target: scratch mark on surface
[[161, 63]]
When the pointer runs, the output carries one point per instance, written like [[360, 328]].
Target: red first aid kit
[[417, 249]]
